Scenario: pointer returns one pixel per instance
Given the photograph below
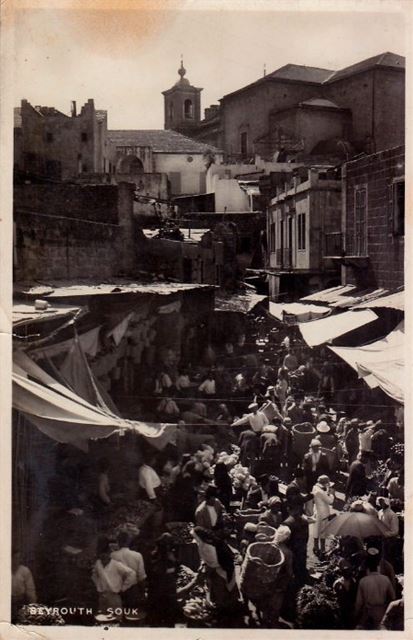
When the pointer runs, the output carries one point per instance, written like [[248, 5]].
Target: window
[[84, 168], [301, 230], [245, 244], [171, 111], [272, 237], [49, 137], [175, 182], [83, 136], [360, 221], [398, 208], [280, 239], [188, 109], [244, 143]]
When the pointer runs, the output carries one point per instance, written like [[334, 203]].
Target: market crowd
[[279, 505]]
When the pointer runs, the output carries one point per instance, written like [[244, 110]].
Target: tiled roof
[[301, 72], [392, 60], [161, 141]]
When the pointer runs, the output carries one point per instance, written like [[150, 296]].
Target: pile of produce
[[397, 451], [39, 614], [181, 532], [199, 609], [130, 518], [317, 608], [229, 459], [379, 472], [241, 477], [185, 576]]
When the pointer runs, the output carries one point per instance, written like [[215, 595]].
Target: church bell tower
[[182, 105]]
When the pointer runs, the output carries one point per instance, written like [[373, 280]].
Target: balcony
[[349, 249]]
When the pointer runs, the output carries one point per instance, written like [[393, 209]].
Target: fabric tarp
[[388, 375], [390, 347], [302, 312], [241, 303], [66, 417], [118, 286], [329, 295], [88, 340], [320, 331], [393, 301], [26, 313], [345, 302], [380, 363], [78, 376]]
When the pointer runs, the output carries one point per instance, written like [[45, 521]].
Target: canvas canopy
[[302, 312], [28, 314], [241, 303], [329, 295], [66, 417], [380, 363], [326, 329], [393, 301], [390, 347], [388, 375]]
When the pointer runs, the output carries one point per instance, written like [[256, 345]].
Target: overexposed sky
[[124, 59]]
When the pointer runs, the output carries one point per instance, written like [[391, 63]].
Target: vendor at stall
[[257, 419], [272, 516], [111, 578], [149, 481], [134, 560], [210, 511]]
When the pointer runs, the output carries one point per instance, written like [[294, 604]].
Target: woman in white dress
[[323, 497]]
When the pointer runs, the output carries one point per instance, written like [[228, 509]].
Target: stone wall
[[73, 232], [385, 249]]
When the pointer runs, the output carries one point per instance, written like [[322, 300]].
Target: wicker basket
[[302, 436], [260, 569]]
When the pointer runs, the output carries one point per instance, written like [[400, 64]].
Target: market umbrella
[[354, 523]]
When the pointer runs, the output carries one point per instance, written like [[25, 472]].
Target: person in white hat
[[315, 463], [326, 436], [323, 496], [257, 419]]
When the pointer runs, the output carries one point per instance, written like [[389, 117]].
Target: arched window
[[188, 109], [131, 164], [171, 111]]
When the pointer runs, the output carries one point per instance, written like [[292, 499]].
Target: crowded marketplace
[[179, 462]]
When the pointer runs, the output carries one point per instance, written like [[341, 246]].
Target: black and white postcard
[[204, 364]]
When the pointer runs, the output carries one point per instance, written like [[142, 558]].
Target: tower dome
[[182, 104], [182, 72]]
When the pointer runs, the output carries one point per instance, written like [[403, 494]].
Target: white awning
[[390, 347], [393, 301], [302, 312], [326, 329], [351, 301], [380, 363], [329, 295], [238, 303], [65, 416], [388, 375], [24, 313]]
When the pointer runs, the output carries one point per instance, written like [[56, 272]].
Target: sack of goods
[[260, 569]]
